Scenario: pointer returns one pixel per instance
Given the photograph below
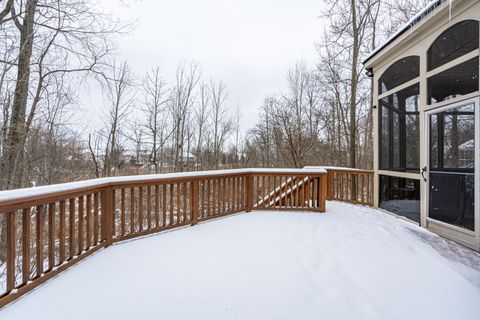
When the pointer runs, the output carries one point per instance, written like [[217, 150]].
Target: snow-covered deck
[[351, 262]]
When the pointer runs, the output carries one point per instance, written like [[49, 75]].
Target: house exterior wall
[[417, 42]]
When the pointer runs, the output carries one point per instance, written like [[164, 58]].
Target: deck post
[[323, 192], [330, 184], [107, 215]]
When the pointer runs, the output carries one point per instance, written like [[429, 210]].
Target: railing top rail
[[9, 197], [340, 169]]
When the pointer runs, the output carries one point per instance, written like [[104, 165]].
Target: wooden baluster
[[362, 188], [39, 239], [219, 196], [149, 207], [185, 202], [274, 192], [306, 198], [178, 189], [313, 196], [351, 178], [96, 226], [132, 210], [26, 233], [269, 191], [264, 192], [140, 208], [336, 188], [228, 197], [243, 194], [371, 189], [257, 192], [80, 225], [157, 206], [289, 202], [240, 193], [61, 232], [209, 197], [51, 235], [71, 234], [298, 181], [194, 202], [342, 177], [89, 222], [234, 194], [171, 205], [203, 199], [305, 192], [11, 230], [122, 212], [224, 195], [164, 205]]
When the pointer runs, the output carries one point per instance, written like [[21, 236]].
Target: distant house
[[427, 120], [187, 159]]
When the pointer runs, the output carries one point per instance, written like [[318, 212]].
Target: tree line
[[325, 116], [50, 48]]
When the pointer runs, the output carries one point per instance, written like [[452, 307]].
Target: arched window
[[399, 72], [454, 42]]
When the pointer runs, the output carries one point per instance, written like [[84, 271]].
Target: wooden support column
[[330, 185], [323, 192], [107, 216]]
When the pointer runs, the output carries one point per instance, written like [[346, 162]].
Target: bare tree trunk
[[16, 136]]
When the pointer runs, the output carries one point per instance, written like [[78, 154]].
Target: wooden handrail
[[83, 217]]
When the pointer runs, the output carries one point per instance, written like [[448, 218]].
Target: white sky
[[248, 44]]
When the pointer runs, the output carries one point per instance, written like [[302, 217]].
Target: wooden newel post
[[323, 192], [108, 199], [329, 185], [194, 198], [249, 195]]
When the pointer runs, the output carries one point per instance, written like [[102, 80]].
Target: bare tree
[[200, 118], [56, 39], [220, 121], [182, 100], [120, 97], [158, 131]]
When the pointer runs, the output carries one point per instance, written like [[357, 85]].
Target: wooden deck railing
[[350, 185], [48, 229]]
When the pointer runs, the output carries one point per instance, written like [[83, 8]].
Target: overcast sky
[[248, 44]]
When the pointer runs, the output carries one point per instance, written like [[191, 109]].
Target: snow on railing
[[50, 228]]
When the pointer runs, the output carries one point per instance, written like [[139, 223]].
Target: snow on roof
[[422, 14], [352, 262]]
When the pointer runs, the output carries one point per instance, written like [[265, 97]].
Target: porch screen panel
[[452, 161], [400, 132]]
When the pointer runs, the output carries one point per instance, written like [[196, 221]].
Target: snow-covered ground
[[351, 262]]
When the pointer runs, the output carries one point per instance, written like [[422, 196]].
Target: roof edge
[[421, 15]]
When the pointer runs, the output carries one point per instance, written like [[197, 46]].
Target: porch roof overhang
[[416, 23]]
